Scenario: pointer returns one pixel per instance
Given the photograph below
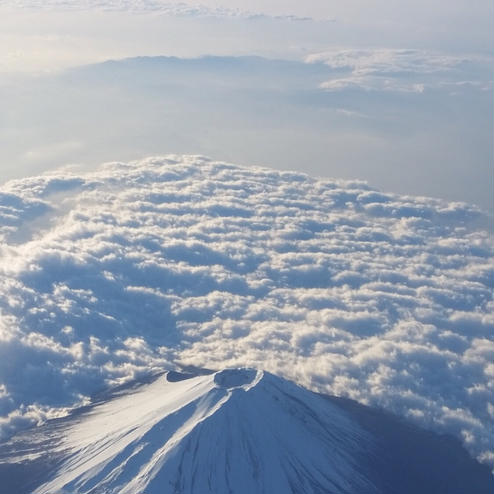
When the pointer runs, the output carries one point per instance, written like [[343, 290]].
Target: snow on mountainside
[[238, 431], [106, 276]]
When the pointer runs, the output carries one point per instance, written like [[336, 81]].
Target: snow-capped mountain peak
[[237, 429], [233, 431]]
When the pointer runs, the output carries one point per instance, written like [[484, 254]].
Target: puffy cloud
[[184, 261]]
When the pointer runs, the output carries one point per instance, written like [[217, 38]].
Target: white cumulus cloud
[[106, 276]]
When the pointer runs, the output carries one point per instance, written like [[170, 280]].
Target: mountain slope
[[238, 431]]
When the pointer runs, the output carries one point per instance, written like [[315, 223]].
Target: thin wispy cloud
[[401, 70], [177, 9]]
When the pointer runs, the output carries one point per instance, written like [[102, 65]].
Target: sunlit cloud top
[[173, 261]]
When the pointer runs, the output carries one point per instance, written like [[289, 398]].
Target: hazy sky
[[39, 34], [405, 103]]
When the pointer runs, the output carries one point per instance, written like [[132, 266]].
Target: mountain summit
[[233, 431]]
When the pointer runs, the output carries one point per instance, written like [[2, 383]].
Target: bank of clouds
[[176, 261]]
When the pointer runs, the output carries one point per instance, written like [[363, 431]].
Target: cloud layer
[[179, 9], [108, 275], [401, 70]]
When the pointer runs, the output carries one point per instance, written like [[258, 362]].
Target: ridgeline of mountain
[[234, 431]]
